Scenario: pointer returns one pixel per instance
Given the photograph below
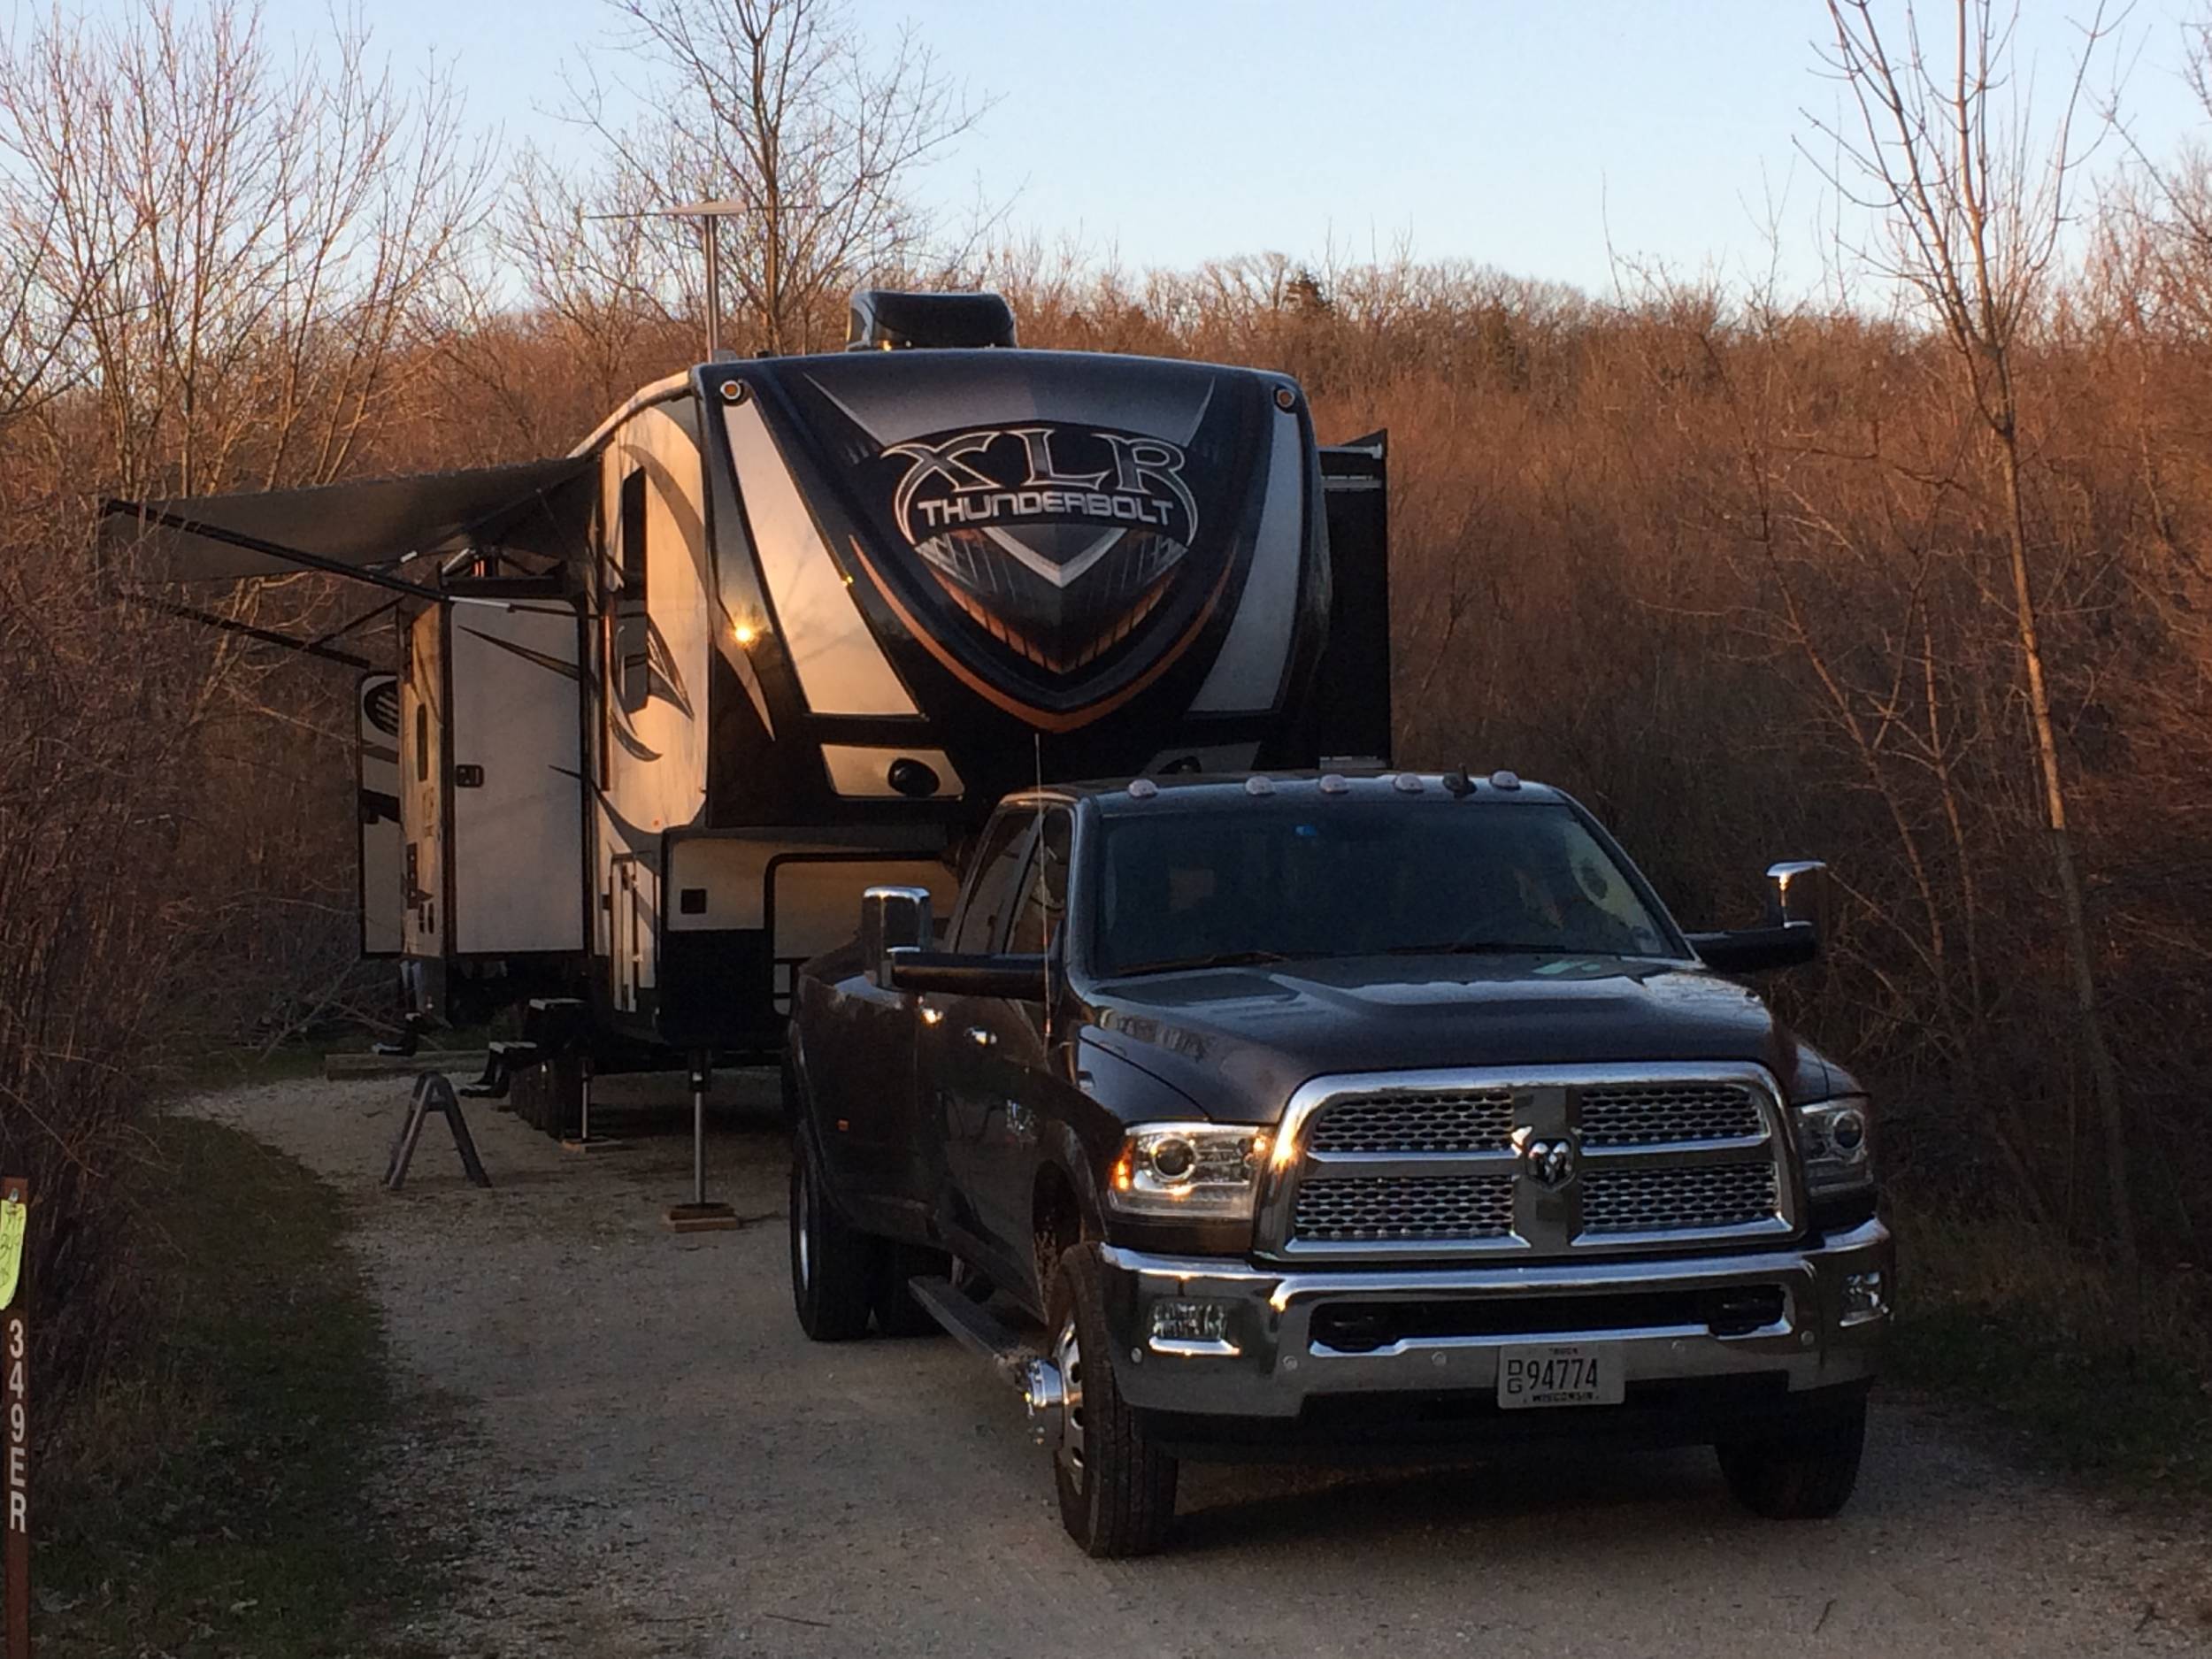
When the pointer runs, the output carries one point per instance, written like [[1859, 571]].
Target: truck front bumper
[[1446, 1325]]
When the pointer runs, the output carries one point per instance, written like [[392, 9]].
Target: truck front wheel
[[830, 1282], [1802, 1473], [1117, 1487]]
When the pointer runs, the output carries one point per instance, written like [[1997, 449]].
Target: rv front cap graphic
[[1041, 474]]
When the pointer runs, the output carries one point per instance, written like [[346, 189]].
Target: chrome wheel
[[802, 1243], [1067, 1353]]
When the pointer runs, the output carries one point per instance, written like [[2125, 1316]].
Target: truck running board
[[979, 1330]]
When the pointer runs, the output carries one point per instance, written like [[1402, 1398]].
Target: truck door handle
[[982, 1036]]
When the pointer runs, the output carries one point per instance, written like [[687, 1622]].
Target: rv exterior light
[[1259, 786], [1407, 783], [1503, 779], [745, 633], [1142, 788], [1335, 783]]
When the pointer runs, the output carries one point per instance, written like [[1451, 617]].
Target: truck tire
[[897, 1313], [831, 1260], [1117, 1487], [1804, 1472]]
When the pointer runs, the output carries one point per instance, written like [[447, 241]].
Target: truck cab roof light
[[1142, 788], [1336, 783], [1259, 786], [1503, 779], [1407, 783]]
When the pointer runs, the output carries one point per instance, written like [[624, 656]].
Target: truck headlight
[[1835, 1138], [1208, 1171]]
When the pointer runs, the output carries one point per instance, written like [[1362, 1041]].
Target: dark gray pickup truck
[[1301, 1114]]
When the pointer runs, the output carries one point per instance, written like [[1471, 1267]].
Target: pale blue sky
[[1516, 134]]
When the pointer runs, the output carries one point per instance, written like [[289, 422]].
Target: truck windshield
[[1304, 879]]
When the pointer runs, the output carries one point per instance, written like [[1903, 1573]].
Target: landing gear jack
[[583, 1140], [699, 1216]]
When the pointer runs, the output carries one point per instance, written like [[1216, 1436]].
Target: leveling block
[[699, 1216], [702, 1218]]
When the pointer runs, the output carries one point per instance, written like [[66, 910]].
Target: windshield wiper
[[1217, 959]]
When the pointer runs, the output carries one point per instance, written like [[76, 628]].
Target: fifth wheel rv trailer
[[785, 628]]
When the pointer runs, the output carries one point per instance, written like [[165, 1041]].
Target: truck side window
[[983, 912], [1045, 893]]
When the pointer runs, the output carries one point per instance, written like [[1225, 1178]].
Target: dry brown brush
[[1742, 574]]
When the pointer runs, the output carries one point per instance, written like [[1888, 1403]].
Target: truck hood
[[1237, 1042]]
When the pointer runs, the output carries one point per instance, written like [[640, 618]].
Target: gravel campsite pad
[[635, 1452]]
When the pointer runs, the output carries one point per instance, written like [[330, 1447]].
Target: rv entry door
[[518, 842]]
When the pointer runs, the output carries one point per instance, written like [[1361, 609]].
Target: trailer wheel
[[1805, 1472], [1117, 1487], [561, 1107], [830, 1281]]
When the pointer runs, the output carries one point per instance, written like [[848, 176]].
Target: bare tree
[[783, 106], [1976, 214], [243, 248]]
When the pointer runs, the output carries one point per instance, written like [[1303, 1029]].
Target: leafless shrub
[[1746, 574]]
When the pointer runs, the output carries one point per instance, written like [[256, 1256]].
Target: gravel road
[[653, 1461]]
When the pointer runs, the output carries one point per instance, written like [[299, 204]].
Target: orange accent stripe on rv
[[1049, 721]]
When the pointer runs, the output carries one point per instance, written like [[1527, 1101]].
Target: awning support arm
[[272, 549], [267, 636], [344, 628]]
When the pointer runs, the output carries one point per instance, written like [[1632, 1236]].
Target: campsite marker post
[[15, 1389]]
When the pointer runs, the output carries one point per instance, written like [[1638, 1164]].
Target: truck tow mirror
[[1800, 892], [1021, 979], [1756, 949], [893, 919]]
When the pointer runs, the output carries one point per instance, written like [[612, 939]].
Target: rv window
[[982, 923], [632, 628]]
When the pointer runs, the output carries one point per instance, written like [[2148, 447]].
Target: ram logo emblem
[[1548, 1162]]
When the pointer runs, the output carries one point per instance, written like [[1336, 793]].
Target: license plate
[[1560, 1374]]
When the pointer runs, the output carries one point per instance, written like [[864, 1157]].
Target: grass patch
[[232, 1067], [1996, 1315], [207, 1496]]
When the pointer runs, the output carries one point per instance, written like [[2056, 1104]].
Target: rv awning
[[359, 528]]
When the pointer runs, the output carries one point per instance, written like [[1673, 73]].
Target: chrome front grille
[[1546, 1161], [1678, 1200], [1654, 1114], [1362, 1209], [1447, 1120]]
